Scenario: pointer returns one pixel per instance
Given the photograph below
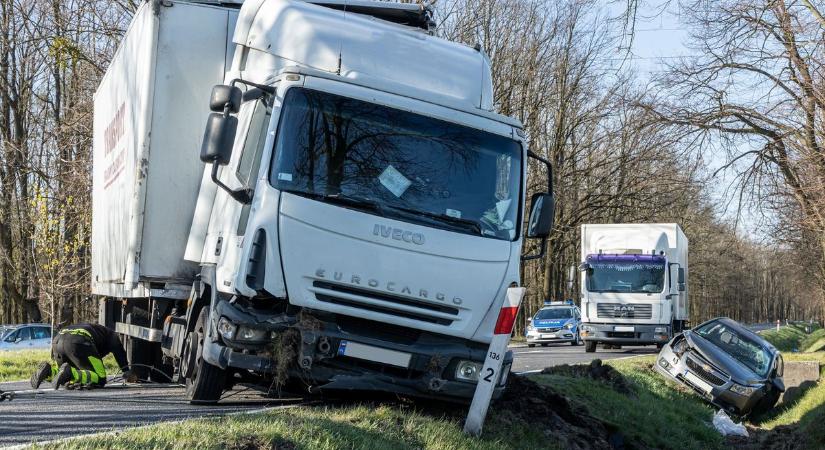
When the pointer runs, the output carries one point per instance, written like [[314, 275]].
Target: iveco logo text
[[398, 234], [389, 286]]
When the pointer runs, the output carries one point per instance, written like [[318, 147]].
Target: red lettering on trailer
[[114, 131], [115, 169]]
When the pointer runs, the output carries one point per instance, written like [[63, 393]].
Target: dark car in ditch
[[727, 364]]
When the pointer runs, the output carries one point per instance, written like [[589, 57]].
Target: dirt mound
[[259, 443], [780, 438], [573, 428], [595, 371]]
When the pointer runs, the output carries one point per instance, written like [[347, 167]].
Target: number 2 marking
[[489, 377]]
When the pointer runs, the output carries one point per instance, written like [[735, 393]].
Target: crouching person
[[78, 351]]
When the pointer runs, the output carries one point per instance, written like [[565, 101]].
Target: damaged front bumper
[[715, 386], [336, 352]]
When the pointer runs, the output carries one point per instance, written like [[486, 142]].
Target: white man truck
[[350, 219], [633, 284]]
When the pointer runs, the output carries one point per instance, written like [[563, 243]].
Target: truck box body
[[617, 308], [149, 114]]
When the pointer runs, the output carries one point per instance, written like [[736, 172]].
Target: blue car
[[556, 322]]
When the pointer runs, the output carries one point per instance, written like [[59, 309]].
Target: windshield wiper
[[342, 199], [466, 223]]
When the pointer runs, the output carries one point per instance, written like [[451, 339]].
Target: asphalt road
[[49, 415], [526, 359], [53, 414]]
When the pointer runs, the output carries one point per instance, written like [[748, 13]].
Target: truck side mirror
[[681, 279], [218, 139], [226, 99], [542, 213]]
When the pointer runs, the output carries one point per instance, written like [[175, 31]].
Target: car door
[[41, 337], [19, 339]]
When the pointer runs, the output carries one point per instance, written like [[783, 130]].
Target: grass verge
[[18, 365], [793, 338], [814, 342], [652, 406], [640, 404], [806, 415], [323, 428]]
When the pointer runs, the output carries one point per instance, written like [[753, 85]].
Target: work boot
[[43, 373], [64, 376]]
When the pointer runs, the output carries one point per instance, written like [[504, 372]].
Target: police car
[[555, 322]]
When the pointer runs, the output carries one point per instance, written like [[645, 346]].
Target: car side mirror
[[681, 277], [542, 213], [18, 340], [530, 319], [225, 99]]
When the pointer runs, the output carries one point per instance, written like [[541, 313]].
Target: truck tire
[[589, 346], [205, 383]]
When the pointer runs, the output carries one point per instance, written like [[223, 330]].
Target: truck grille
[[624, 311], [703, 373], [384, 303]]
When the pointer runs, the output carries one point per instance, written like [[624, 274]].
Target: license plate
[[374, 354], [624, 329], [548, 336], [698, 382]]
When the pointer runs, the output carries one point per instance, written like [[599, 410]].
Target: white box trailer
[[633, 283], [149, 115]]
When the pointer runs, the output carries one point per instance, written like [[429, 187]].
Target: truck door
[[230, 221]]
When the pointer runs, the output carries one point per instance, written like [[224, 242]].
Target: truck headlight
[[226, 328], [467, 371], [743, 390], [252, 334], [660, 330]]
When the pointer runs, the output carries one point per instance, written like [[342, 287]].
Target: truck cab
[[358, 219]]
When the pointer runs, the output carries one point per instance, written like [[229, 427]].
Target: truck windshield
[[397, 164], [626, 273]]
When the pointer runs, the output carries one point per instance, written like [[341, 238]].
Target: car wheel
[[577, 340], [766, 403], [204, 382], [589, 346]]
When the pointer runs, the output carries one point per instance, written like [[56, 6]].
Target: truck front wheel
[[204, 382], [589, 346]]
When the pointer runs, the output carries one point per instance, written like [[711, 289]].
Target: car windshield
[[554, 313], [740, 346], [626, 273], [397, 164]]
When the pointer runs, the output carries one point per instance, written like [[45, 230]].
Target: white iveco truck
[[633, 284], [354, 218]]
